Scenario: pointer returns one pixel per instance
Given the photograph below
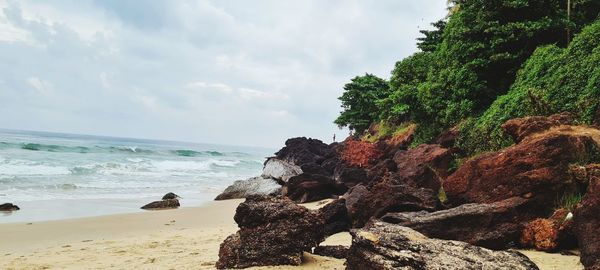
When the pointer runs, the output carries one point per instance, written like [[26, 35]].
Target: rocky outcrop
[[496, 225], [536, 168], [163, 204], [252, 186], [338, 252], [8, 207], [383, 245], [301, 151], [280, 170], [385, 197], [335, 217], [520, 128], [273, 231], [586, 222]]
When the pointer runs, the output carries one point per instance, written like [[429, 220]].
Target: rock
[[299, 151], [170, 196], [383, 245], [520, 128], [164, 204], [542, 234], [424, 166], [280, 170], [346, 176], [497, 225], [338, 252], [550, 234], [586, 222], [309, 188], [363, 204], [252, 186], [358, 153], [335, 217], [8, 207], [537, 167], [273, 231], [382, 169], [398, 141], [448, 137]]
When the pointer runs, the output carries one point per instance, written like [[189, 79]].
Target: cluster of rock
[[168, 201], [407, 209]]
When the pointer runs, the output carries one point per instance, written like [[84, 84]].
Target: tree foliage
[[359, 102], [470, 60], [553, 80]]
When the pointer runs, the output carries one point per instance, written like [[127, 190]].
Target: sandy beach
[[186, 238]]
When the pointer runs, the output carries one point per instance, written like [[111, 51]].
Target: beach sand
[[186, 238]]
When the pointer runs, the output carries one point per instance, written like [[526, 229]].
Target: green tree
[[431, 38], [359, 102]]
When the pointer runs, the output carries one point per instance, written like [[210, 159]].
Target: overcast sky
[[227, 72]]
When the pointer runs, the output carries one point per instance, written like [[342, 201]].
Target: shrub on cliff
[[553, 80]]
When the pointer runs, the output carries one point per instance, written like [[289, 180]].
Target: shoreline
[[184, 238]]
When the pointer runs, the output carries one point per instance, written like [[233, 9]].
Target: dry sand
[[186, 238]]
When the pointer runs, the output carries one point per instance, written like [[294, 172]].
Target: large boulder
[[273, 231], [8, 207], [335, 217], [309, 188], [424, 166], [520, 128], [346, 176], [252, 186], [496, 225], [299, 151], [587, 225], [385, 197], [536, 168], [280, 170], [162, 204], [383, 245]]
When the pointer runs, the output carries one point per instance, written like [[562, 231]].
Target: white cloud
[[196, 70]]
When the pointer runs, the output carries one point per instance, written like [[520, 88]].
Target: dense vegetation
[[466, 72]]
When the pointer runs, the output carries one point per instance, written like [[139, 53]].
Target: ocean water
[[57, 176]]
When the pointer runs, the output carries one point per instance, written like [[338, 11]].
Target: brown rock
[[519, 128], [424, 166], [338, 252], [386, 197], [309, 188], [335, 217], [383, 245], [496, 225], [542, 234], [538, 165], [164, 204], [273, 231], [586, 222]]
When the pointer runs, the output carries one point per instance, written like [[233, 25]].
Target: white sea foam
[[23, 168]]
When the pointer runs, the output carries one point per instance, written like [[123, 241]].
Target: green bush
[[553, 80]]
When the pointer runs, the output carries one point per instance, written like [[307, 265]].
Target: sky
[[228, 72]]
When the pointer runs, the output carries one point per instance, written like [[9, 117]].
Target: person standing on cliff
[[333, 137]]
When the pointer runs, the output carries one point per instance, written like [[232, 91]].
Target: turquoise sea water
[[57, 176]]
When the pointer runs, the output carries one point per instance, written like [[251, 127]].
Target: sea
[[53, 176]]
